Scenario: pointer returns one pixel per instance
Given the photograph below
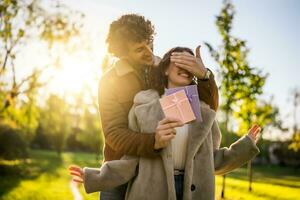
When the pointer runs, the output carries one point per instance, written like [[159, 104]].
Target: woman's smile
[[184, 73]]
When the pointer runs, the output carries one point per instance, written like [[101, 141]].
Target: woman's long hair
[[157, 78]]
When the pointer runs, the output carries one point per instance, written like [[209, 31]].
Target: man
[[130, 39]]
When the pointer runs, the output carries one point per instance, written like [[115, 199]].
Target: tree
[[55, 120], [295, 144], [91, 134], [240, 83], [256, 111], [86, 118], [21, 23]]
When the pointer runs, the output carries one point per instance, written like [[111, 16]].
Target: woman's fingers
[[170, 126], [253, 128], [71, 167], [254, 132], [186, 62], [78, 180], [168, 132], [183, 62], [182, 56], [77, 177], [76, 168], [166, 138], [185, 66], [166, 120], [165, 131], [75, 173], [257, 128], [257, 131], [169, 120]]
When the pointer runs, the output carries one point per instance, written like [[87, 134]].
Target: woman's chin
[[184, 83]]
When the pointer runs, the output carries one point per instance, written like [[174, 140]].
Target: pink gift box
[[191, 92], [177, 105]]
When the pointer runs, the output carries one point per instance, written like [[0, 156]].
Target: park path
[[75, 190]]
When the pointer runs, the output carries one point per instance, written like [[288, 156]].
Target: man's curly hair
[[130, 27]]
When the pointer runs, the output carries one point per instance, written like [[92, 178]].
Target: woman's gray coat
[[154, 178]]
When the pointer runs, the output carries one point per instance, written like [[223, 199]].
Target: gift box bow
[[191, 92], [180, 101]]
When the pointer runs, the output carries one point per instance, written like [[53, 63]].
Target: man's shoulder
[[118, 69]]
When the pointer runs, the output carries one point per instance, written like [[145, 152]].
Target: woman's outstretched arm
[[237, 154], [110, 175]]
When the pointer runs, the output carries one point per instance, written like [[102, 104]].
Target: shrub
[[12, 144]]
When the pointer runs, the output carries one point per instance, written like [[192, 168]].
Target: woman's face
[[178, 77]]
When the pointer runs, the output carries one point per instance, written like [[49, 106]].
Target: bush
[[12, 144], [285, 155], [41, 140]]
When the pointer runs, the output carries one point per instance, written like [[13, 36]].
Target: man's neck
[[138, 68], [133, 64]]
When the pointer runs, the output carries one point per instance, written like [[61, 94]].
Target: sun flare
[[76, 74]]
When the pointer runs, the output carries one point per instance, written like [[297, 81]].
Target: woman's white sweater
[[179, 147]]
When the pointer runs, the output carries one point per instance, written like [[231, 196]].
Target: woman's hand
[[192, 64], [254, 132], [165, 132], [77, 173]]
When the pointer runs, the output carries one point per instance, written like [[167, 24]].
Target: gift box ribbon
[[177, 102]]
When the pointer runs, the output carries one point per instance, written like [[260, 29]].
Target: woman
[[188, 164]]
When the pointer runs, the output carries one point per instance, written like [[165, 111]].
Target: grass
[[269, 182], [44, 176]]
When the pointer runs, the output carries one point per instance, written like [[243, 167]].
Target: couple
[[147, 156]]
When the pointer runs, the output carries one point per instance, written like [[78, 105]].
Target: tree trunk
[[250, 175], [223, 187], [226, 141]]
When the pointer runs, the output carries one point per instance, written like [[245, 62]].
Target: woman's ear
[[167, 72]]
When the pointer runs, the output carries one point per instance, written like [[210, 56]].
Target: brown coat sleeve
[[115, 125], [208, 92]]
